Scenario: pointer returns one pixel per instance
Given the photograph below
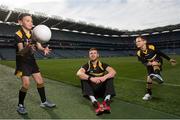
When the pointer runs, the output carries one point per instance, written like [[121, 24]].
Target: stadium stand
[[72, 39]]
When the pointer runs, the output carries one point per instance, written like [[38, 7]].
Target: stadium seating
[[67, 44], [7, 53]]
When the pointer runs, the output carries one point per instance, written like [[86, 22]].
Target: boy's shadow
[[51, 113], [25, 116]]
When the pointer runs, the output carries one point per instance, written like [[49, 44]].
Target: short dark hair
[[91, 49], [142, 37], [22, 15]]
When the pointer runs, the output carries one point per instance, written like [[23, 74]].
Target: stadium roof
[[56, 22]]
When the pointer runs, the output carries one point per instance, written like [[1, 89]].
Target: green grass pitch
[[65, 90]]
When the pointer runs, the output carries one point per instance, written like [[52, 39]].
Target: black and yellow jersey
[[25, 39], [25, 63], [151, 54], [97, 70]]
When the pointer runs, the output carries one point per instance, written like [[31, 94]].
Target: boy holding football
[[26, 65]]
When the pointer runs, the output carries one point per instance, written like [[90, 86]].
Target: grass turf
[[69, 101], [129, 82]]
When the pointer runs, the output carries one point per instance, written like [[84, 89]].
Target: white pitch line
[[140, 80]]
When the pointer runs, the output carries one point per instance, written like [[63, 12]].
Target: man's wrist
[[89, 78]]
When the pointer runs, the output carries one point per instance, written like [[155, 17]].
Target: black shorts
[[27, 69]]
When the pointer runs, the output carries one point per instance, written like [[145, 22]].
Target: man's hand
[[102, 79], [173, 62], [95, 80]]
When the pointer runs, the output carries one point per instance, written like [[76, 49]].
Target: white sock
[[107, 97], [93, 99]]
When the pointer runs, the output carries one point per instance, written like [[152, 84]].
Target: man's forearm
[[83, 76], [109, 75]]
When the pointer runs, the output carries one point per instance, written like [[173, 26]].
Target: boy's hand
[[47, 50], [173, 62]]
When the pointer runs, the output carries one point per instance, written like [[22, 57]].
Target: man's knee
[[85, 82], [109, 83], [86, 88]]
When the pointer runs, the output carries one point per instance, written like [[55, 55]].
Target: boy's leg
[[148, 94], [156, 76], [22, 94], [41, 90]]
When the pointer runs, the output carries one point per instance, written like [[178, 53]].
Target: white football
[[41, 33]]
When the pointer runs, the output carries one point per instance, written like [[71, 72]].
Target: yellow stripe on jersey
[[28, 35], [151, 47], [89, 64], [145, 52], [19, 74], [100, 65], [94, 66], [19, 33], [139, 53], [152, 58], [97, 74]]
